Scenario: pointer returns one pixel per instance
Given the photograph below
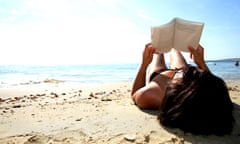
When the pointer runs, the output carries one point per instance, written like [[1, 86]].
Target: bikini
[[176, 70]]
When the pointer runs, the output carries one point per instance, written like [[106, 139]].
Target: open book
[[178, 34]]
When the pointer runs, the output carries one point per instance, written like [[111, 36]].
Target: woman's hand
[[197, 55], [148, 54]]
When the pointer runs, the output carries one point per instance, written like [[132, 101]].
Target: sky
[[69, 32]]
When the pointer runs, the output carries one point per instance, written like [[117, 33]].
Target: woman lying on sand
[[189, 97]]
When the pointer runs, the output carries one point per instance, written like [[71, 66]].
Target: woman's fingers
[[192, 51]]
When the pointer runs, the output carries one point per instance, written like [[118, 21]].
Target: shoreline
[[95, 113]]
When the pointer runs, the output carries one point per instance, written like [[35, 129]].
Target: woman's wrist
[[203, 66], [144, 66]]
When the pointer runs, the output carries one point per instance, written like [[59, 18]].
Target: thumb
[[191, 56], [192, 51]]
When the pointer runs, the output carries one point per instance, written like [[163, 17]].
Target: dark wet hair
[[198, 103]]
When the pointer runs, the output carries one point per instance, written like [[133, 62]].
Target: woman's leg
[[177, 60], [158, 64]]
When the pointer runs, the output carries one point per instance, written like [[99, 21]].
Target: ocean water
[[70, 74], [92, 74]]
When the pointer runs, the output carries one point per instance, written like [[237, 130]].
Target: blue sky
[[53, 32]]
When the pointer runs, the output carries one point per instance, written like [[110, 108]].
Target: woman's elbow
[[133, 97], [141, 99]]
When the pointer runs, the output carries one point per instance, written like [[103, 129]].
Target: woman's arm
[[198, 57], [140, 80]]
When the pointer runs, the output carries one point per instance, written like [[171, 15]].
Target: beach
[[95, 113]]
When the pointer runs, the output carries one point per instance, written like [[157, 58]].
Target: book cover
[[178, 34]]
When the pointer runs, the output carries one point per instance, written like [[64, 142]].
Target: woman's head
[[198, 103]]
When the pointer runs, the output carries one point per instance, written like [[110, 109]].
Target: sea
[[13, 75]]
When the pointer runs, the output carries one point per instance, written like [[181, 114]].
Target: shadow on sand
[[232, 138]]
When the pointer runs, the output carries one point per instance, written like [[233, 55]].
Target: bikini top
[[178, 72]]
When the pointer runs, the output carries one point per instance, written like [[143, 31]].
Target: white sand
[[101, 113]]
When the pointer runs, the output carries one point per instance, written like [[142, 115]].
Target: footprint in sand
[[37, 139], [174, 141]]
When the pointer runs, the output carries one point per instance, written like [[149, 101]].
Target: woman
[[188, 97]]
